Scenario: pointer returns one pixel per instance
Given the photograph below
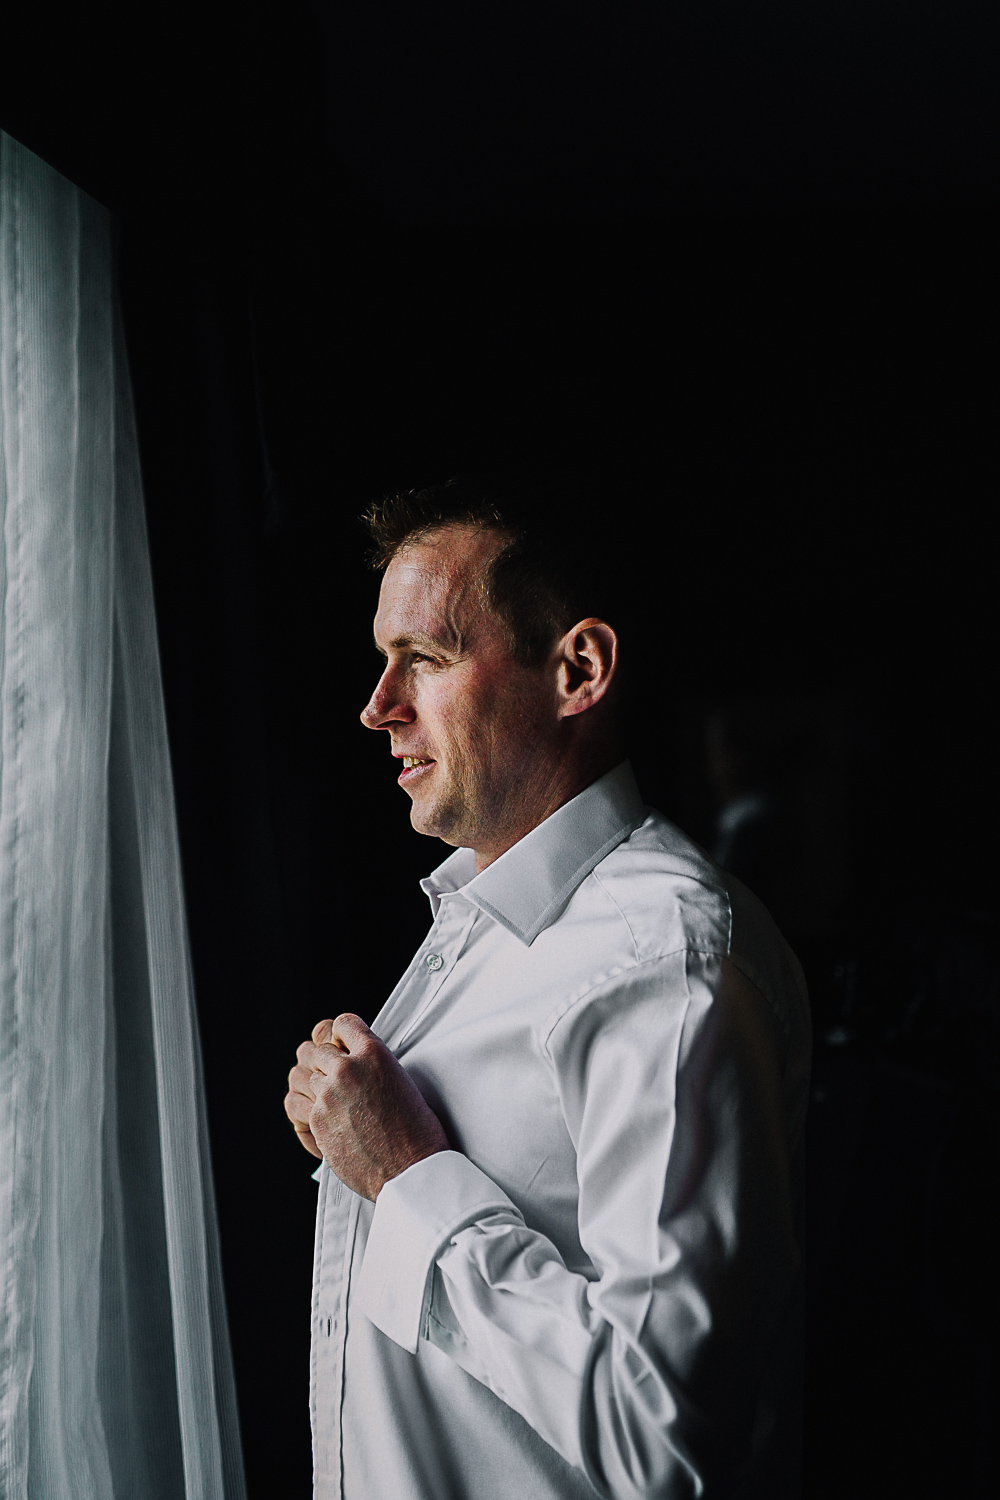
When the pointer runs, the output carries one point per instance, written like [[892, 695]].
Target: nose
[[387, 705]]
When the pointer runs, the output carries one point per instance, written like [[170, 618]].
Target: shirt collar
[[526, 886]]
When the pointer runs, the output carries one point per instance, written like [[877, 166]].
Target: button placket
[[400, 1002], [336, 1212], [436, 963]]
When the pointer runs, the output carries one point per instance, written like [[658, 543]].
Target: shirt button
[[434, 961]]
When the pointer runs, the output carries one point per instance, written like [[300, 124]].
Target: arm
[[645, 1377]]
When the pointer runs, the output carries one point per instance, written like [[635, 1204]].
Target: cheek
[[460, 714], [486, 719]]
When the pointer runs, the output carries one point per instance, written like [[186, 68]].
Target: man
[[557, 1251]]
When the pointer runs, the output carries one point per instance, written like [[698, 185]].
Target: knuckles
[[362, 1041], [352, 1027], [325, 1078]]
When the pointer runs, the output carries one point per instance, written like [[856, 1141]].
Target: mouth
[[414, 767]]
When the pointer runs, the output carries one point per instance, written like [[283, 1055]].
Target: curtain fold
[[115, 1372]]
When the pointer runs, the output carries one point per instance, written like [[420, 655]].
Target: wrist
[[411, 1161]]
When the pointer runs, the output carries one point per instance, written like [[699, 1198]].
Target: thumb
[[348, 1032], [321, 1032]]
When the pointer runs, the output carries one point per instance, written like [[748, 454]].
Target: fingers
[[331, 1040], [318, 1059], [300, 1082], [350, 1033], [339, 1033], [297, 1107], [312, 1059], [320, 1067], [346, 1035]]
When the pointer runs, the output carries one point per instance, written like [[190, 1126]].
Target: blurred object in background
[[903, 1143], [835, 814], [775, 768]]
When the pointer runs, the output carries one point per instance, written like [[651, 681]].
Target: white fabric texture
[[597, 1291], [115, 1371]]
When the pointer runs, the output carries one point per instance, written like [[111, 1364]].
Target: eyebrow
[[401, 642]]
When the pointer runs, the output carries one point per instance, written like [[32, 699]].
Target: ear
[[587, 657]]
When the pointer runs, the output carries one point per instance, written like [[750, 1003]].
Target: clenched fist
[[352, 1103]]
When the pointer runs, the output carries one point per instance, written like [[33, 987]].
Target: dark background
[[740, 265]]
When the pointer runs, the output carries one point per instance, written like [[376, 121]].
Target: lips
[[414, 767]]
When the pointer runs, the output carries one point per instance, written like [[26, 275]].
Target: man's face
[[481, 727]]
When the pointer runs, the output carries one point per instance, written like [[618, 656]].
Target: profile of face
[[483, 739]]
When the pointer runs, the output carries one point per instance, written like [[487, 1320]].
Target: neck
[[566, 782]]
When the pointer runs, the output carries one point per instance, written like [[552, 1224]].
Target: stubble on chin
[[436, 817], [457, 813]]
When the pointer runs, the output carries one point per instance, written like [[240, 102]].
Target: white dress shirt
[[597, 1290]]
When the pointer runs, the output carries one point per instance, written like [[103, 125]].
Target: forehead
[[434, 586]]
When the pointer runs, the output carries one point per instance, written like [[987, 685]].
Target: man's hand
[[352, 1103]]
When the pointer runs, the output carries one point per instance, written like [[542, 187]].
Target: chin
[[437, 822], [424, 819], [431, 828]]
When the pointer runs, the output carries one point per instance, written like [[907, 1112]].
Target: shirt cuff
[[415, 1216]]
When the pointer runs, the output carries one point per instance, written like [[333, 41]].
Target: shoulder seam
[[618, 909], [642, 963]]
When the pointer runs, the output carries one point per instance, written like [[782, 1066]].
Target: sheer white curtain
[[115, 1374]]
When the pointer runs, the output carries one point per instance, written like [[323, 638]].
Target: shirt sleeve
[[645, 1377]]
